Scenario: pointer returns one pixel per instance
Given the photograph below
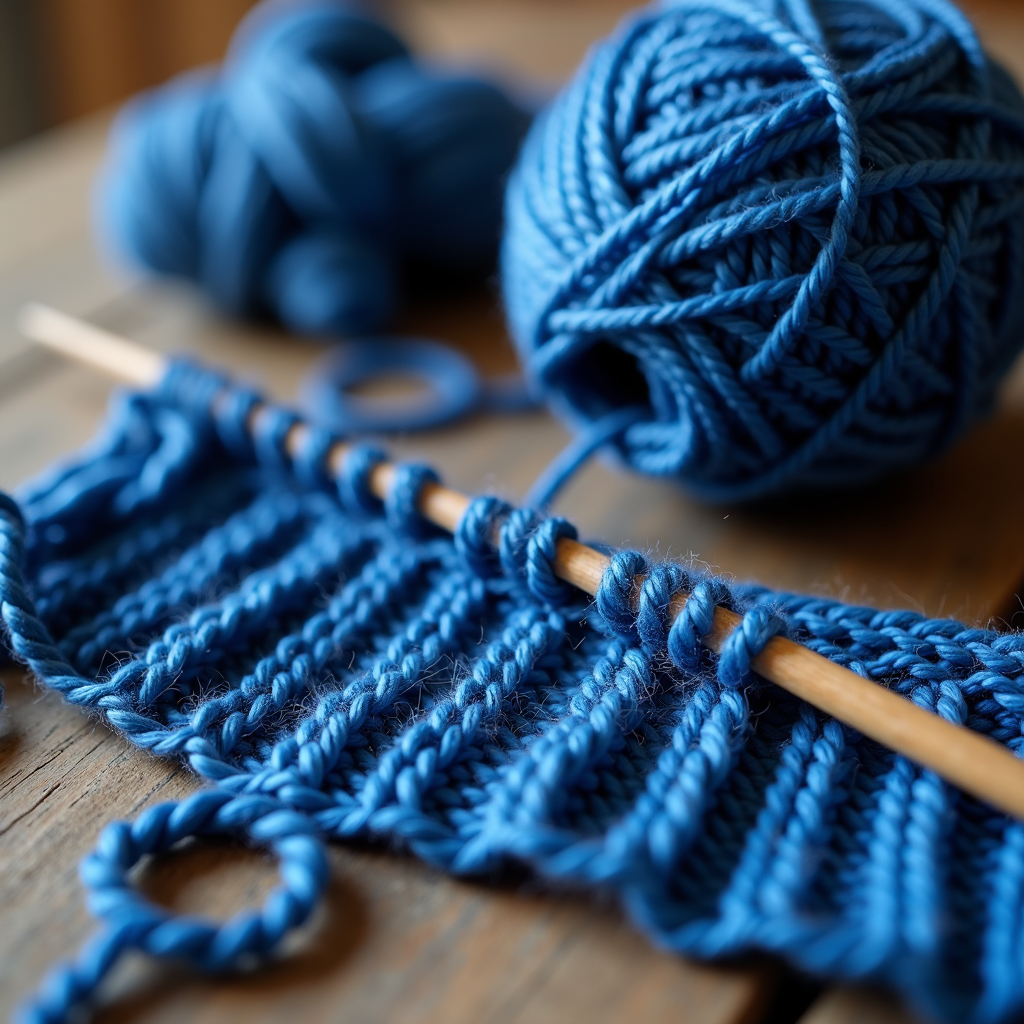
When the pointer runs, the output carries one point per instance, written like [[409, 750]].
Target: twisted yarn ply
[[308, 173], [338, 668], [791, 230]]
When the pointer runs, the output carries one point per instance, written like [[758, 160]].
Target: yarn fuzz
[[338, 668], [792, 229], [304, 177]]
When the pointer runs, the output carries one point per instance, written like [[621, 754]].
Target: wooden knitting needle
[[975, 763]]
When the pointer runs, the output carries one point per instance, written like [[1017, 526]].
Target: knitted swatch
[[336, 668]]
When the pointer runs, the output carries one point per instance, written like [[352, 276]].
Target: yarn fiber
[[336, 668], [792, 229], [308, 174]]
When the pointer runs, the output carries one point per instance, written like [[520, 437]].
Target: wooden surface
[[855, 1006], [396, 941]]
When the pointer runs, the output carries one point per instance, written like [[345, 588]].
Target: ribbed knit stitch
[[336, 668]]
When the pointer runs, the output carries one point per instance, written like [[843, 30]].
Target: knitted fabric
[[337, 668], [791, 230]]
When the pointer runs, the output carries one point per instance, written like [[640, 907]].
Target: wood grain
[[396, 941]]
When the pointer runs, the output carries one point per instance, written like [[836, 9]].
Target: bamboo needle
[[975, 763]]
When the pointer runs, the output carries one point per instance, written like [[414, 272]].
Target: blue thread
[[333, 672], [134, 923], [306, 174], [231, 416], [694, 622], [652, 607], [401, 506], [354, 479], [615, 595], [758, 625], [451, 386], [310, 458], [541, 579], [568, 462], [792, 232], [475, 536], [269, 434], [513, 537]]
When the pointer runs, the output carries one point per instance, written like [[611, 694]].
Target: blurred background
[[62, 59]]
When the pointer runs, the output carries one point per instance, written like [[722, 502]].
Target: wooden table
[[396, 941]]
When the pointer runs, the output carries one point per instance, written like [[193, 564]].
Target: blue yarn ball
[[792, 231], [309, 173]]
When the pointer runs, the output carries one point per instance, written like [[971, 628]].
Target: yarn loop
[[132, 922]]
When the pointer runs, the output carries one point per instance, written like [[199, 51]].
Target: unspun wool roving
[[305, 176], [790, 231]]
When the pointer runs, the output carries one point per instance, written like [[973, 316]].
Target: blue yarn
[[451, 387], [563, 466], [305, 176], [792, 230], [335, 668]]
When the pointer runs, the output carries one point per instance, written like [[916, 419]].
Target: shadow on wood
[[217, 877]]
